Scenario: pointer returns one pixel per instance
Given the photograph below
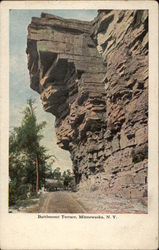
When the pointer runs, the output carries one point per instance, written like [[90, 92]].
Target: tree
[[57, 174], [25, 141], [68, 179], [29, 136]]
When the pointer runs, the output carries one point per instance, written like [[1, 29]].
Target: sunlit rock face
[[93, 76]]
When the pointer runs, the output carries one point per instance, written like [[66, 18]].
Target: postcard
[[79, 119]]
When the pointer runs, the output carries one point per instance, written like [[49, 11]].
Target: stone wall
[[93, 76]]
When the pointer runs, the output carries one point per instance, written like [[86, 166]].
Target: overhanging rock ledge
[[93, 76]]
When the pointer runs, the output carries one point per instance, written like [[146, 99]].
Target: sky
[[19, 81]]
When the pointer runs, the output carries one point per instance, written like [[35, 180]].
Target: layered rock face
[[93, 76]]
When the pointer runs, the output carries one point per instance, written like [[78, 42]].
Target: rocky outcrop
[[93, 76]]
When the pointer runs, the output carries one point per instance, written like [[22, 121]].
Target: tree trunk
[[37, 174]]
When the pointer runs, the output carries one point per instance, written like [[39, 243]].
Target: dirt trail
[[60, 202]]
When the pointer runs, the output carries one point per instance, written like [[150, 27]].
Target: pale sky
[[19, 77]]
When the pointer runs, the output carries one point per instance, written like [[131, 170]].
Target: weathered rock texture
[[93, 76]]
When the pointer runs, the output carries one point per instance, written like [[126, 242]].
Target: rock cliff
[[93, 76]]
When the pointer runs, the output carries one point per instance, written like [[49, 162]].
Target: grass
[[27, 205]]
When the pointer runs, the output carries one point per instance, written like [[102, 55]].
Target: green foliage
[[57, 174], [12, 192], [24, 147], [28, 135], [54, 186], [58, 181], [25, 151], [69, 180], [141, 155]]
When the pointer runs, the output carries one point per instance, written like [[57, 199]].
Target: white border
[[25, 231]]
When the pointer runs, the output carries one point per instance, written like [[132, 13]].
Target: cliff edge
[[93, 76]]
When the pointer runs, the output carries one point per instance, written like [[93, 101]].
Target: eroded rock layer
[[93, 76]]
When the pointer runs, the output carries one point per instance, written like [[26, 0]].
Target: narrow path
[[60, 202]]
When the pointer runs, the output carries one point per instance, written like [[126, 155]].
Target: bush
[[17, 193], [12, 193]]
